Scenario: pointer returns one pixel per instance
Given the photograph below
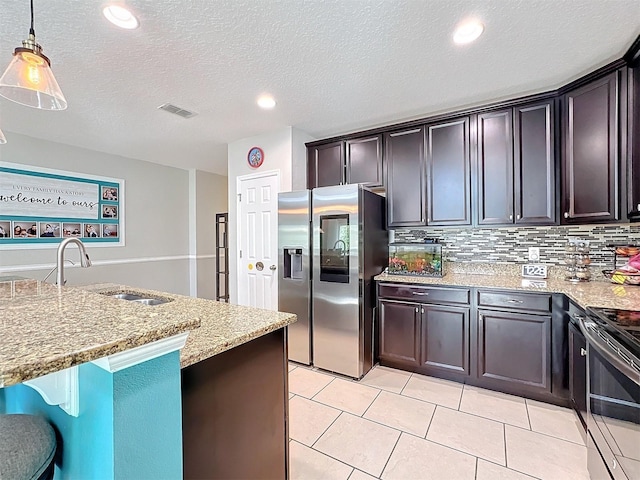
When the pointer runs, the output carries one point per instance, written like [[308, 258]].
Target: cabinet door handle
[[422, 311], [518, 216], [511, 217], [583, 352], [511, 300], [638, 207], [416, 309], [566, 214], [422, 294]]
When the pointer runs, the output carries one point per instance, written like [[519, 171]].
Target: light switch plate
[[534, 254]]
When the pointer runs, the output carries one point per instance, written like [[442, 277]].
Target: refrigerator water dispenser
[[293, 263]]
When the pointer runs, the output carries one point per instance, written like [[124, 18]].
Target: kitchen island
[[126, 384]]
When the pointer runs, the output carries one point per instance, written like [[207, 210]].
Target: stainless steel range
[[613, 392]]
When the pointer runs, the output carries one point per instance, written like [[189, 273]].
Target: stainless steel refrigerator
[[332, 242]]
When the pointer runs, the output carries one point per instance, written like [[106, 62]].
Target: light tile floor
[[398, 425]]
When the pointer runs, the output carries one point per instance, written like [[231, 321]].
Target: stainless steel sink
[[138, 298], [126, 296], [151, 301]]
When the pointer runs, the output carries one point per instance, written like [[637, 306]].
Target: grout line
[[405, 385], [551, 436], [430, 422], [504, 437], [390, 454], [373, 401], [512, 469], [325, 430], [318, 392], [328, 456], [475, 476], [526, 406]]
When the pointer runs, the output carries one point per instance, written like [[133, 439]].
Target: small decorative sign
[[255, 157], [39, 207], [534, 271]]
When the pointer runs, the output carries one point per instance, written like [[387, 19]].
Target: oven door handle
[[604, 350]]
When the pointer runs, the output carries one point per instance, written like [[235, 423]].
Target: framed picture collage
[[39, 207]]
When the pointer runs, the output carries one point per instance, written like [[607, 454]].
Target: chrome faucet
[[85, 261]]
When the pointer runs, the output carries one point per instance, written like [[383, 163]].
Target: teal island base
[[129, 423]]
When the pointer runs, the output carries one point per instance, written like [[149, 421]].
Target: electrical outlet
[[534, 254]]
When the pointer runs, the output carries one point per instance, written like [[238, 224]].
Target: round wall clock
[[255, 157]]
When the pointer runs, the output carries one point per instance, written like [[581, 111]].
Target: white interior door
[[258, 240]]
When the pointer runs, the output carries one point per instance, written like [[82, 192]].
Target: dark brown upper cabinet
[[534, 164], [325, 165], [633, 145], [495, 168], [590, 164], [364, 160], [405, 177], [516, 166], [448, 173]]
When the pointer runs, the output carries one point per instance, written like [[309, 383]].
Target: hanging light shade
[[3, 139], [28, 80]]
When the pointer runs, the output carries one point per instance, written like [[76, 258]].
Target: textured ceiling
[[334, 66]]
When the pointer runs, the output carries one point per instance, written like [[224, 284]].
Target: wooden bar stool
[[27, 448]]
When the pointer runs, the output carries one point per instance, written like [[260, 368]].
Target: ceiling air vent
[[168, 107]]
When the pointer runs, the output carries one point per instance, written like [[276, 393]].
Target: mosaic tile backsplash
[[509, 245]]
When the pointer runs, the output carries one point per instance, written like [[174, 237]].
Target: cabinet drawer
[[424, 294], [538, 302]]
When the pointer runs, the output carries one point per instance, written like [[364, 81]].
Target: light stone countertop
[[45, 329], [585, 294], [222, 326]]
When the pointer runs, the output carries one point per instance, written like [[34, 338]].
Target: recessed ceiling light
[[266, 101], [467, 32], [120, 17]]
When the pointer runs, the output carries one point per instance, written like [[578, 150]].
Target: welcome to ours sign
[[42, 206]]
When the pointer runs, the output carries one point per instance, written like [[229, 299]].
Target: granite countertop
[[45, 329], [585, 294], [222, 326]]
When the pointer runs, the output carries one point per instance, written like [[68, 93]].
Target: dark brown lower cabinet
[[444, 340], [511, 341], [399, 331], [514, 349], [228, 430], [426, 338]]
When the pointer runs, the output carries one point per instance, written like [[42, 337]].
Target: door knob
[[272, 267]]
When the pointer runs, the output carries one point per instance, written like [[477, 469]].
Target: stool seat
[[27, 447]]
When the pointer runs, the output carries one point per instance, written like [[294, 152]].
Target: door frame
[[239, 180]]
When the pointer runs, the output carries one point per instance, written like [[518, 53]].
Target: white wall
[[284, 150], [156, 254]]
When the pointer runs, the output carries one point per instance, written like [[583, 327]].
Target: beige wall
[[157, 230], [210, 195]]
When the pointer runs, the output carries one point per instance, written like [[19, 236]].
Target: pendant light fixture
[[28, 80]]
